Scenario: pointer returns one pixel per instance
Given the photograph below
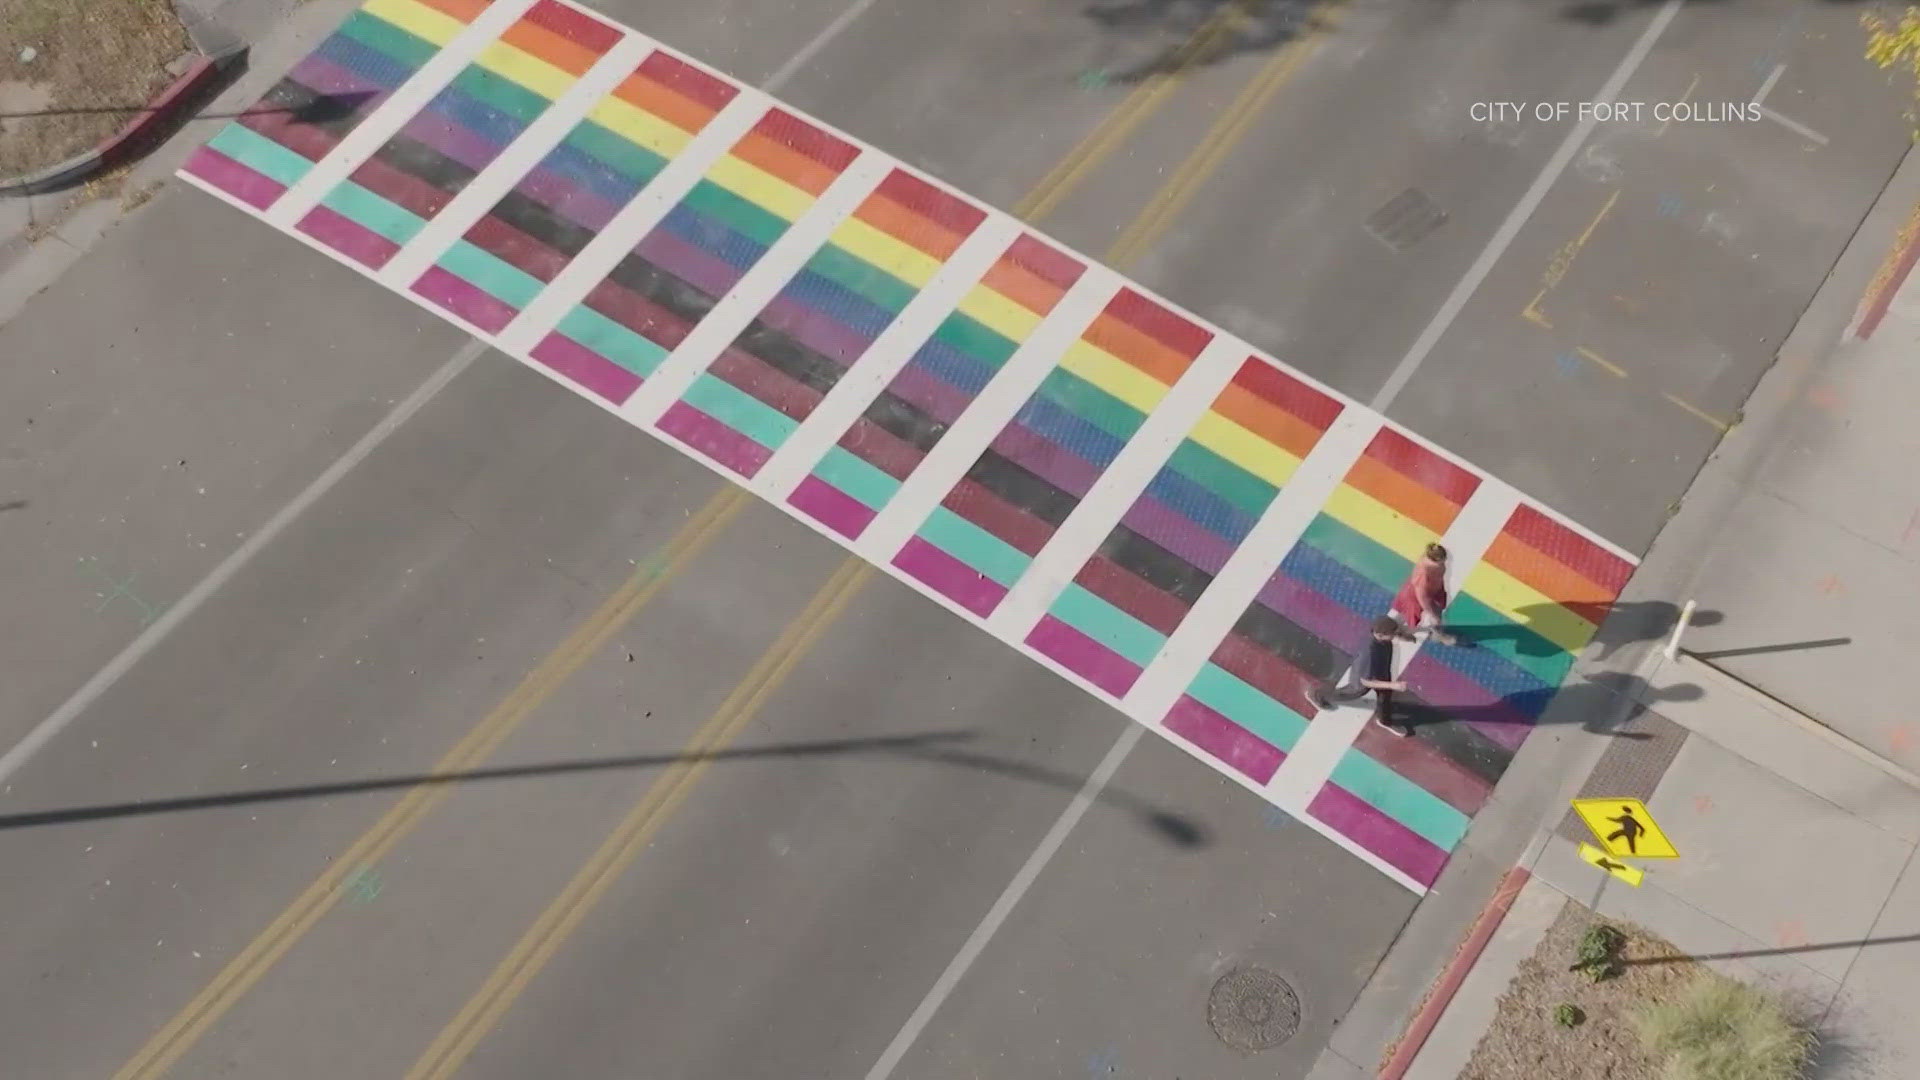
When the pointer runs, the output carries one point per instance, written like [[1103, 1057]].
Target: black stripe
[[790, 356], [905, 421], [1155, 565], [1456, 741], [541, 223], [423, 162], [1281, 637], [640, 277], [1022, 488]]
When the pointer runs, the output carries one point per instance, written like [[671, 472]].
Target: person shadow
[[1620, 625], [1601, 703]]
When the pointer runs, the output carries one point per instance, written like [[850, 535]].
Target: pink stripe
[[345, 236], [1313, 612], [586, 367], [1393, 842], [1046, 459], [1177, 533], [815, 329], [1236, 747], [465, 299], [1468, 702], [714, 439], [708, 273], [831, 507], [1084, 656], [950, 577], [929, 393], [254, 189]]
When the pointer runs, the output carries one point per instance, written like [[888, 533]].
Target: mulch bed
[[73, 72]]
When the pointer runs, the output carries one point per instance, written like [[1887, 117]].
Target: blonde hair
[[1436, 553]]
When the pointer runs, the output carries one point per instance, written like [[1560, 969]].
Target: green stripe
[[635, 162], [1092, 404], [976, 339], [1245, 491], [373, 212], [261, 154], [382, 36], [1358, 552], [500, 92], [1226, 694], [862, 277], [733, 407], [491, 274], [1400, 799], [1508, 640], [611, 340], [1107, 624], [856, 478], [975, 546], [743, 216]]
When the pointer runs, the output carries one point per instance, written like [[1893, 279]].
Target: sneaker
[[1319, 700], [1392, 728]]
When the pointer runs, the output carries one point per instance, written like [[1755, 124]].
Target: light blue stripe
[[372, 212], [974, 546], [1107, 624], [611, 340], [1231, 697], [733, 407], [491, 274], [856, 478], [1400, 799], [261, 154]]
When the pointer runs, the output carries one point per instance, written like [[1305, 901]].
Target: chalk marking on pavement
[[1562, 262], [1684, 96], [1023, 880], [1522, 211], [260, 955], [1699, 412], [450, 1049]]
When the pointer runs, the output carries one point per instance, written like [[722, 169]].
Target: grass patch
[[1719, 1029], [72, 72]]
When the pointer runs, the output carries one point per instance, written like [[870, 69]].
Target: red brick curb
[[1448, 984], [1893, 273]]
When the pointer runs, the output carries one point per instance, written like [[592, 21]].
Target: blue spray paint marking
[[1671, 206], [1277, 818], [1567, 362], [1104, 1063]]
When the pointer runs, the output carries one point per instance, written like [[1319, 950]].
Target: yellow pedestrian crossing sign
[[1624, 828], [1632, 875]]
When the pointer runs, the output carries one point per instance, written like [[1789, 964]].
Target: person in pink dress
[[1420, 601]]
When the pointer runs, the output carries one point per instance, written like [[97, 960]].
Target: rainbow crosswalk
[[1188, 529]]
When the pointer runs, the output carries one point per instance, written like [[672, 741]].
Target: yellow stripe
[[1245, 449], [1114, 375], [640, 127], [887, 252], [417, 19], [1526, 605], [1372, 518], [999, 314], [756, 185], [526, 69]]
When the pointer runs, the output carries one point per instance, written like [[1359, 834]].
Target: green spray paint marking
[[363, 886]]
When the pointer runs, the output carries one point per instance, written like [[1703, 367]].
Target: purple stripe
[[321, 75], [950, 577], [343, 235], [815, 329], [1393, 842], [586, 367], [1235, 747], [1084, 656], [714, 439], [465, 299], [1315, 613], [577, 203], [1448, 690], [450, 139], [929, 393], [831, 507], [254, 189], [1046, 459], [1177, 533], [708, 273]]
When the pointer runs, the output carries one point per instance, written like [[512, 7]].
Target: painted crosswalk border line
[[1038, 375]]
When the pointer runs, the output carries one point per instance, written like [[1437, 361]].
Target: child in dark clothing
[[1372, 672]]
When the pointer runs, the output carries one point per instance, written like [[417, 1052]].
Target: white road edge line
[[1017, 888], [101, 681], [1503, 237]]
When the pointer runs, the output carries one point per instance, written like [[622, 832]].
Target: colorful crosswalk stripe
[[326, 95], [559, 206], [627, 324], [985, 532], [880, 450], [1116, 614], [470, 122], [820, 324]]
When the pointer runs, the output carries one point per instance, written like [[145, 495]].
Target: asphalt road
[[728, 828]]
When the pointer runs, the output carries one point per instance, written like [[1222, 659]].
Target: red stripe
[[999, 517], [306, 140], [803, 138], [1044, 263], [1266, 673], [1423, 466], [688, 81], [755, 377], [577, 27], [881, 448], [517, 249], [638, 314], [403, 189], [1569, 548], [947, 211], [1276, 387], [1107, 580], [1158, 323]]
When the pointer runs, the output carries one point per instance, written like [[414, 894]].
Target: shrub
[[1598, 953], [1718, 1029], [1567, 1014]]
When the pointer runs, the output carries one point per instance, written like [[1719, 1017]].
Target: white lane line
[[140, 646], [812, 48], [1760, 95], [1794, 126], [1523, 210], [997, 914]]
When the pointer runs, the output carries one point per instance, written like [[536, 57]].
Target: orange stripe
[[1023, 286], [464, 10], [682, 112], [1267, 420], [1149, 354], [908, 227], [1553, 579], [790, 165], [538, 41], [1394, 489]]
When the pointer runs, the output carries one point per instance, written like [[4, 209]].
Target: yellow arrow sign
[[1632, 875], [1624, 828]]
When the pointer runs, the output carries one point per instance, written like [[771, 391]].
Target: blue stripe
[[962, 371], [1200, 506], [366, 63], [586, 170], [1320, 572], [1074, 435], [839, 303], [713, 237], [1499, 677], [483, 120]]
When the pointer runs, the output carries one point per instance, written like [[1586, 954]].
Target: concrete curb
[[1455, 973], [1893, 274], [149, 127]]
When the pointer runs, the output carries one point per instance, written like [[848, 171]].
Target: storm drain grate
[[1407, 219], [1253, 1009]]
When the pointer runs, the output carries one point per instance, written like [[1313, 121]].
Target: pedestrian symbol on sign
[[1625, 829]]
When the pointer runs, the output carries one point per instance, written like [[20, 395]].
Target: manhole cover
[[1407, 219], [1253, 1009]]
